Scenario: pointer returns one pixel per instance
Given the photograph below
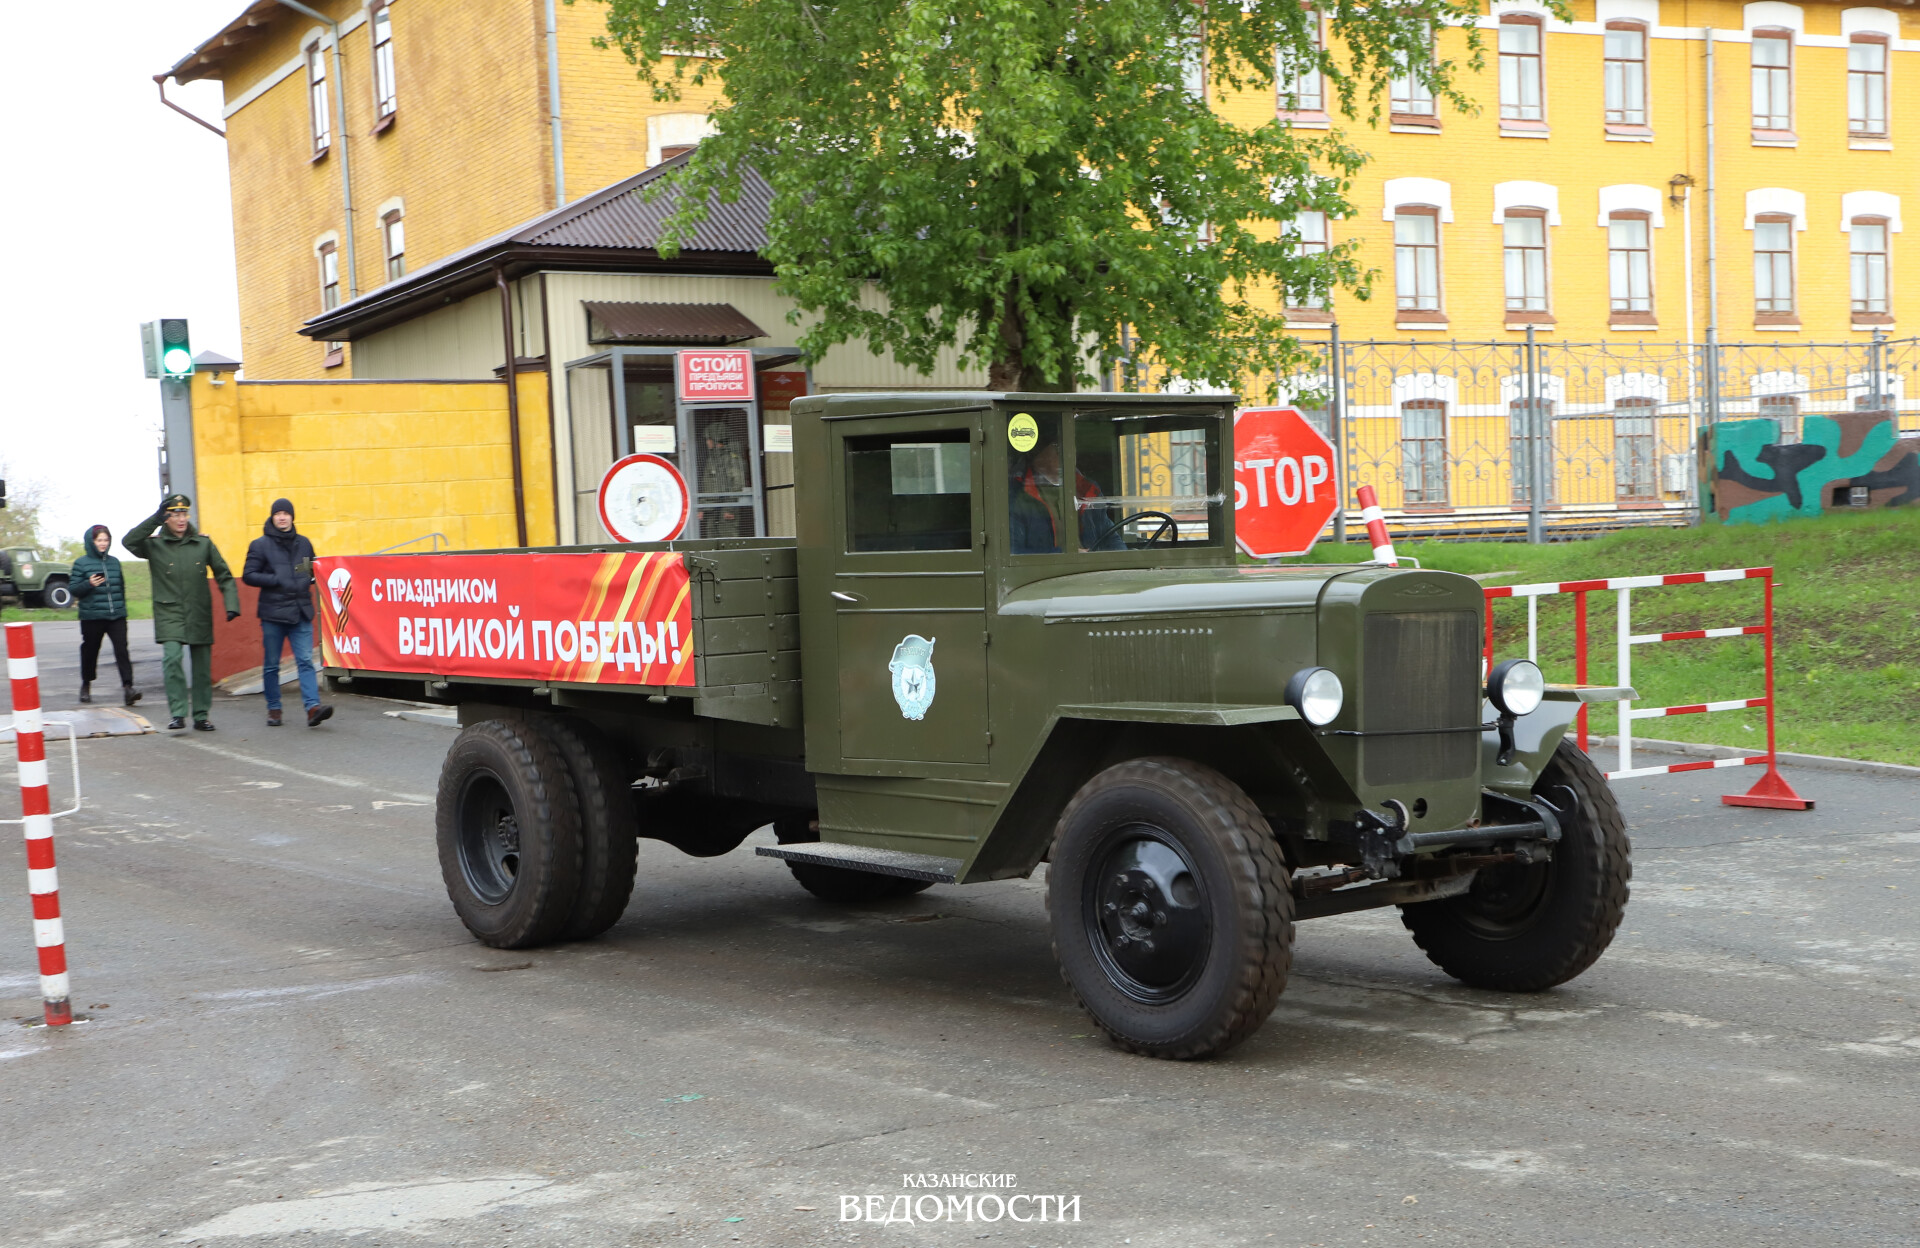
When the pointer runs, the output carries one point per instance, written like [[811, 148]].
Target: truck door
[[909, 589]]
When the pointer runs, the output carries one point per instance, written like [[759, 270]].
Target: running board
[[867, 858]]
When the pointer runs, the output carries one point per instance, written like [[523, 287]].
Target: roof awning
[[696, 324]]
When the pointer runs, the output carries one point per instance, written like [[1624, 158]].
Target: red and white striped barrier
[[1377, 527], [36, 810], [1771, 790]]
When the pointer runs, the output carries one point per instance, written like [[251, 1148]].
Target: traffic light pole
[[176, 423]]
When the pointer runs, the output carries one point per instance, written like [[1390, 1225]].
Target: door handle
[[845, 597]]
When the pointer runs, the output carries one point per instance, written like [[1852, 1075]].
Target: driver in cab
[[1034, 495]]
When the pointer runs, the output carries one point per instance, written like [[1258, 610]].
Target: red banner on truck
[[622, 618]]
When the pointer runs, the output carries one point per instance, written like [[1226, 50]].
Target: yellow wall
[[1470, 153], [371, 464]]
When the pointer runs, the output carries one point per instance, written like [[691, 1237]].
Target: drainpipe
[[1713, 232], [513, 404], [553, 106], [160, 80], [340, 108]]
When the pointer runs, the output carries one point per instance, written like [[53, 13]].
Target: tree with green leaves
[[1043, 186]]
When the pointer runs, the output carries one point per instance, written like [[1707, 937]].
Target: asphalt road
[[293, 1041]]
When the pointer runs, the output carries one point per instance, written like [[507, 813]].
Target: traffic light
[[164, 345]]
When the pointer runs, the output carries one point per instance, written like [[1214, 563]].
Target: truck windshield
[[1147, 478]]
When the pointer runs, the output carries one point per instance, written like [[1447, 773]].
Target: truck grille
[[1422, 670]]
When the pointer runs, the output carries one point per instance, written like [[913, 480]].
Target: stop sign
[[1284, 490]]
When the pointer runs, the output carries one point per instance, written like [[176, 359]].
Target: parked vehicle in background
[[35, 581]]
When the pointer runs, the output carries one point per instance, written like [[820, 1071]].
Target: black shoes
[[203, 725], [176, 724], [130, 695], [316, 715], [86, 691]]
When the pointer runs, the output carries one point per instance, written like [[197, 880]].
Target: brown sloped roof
[[616, 229], [209, 60], [703, 324]]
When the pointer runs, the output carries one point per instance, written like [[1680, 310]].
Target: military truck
[[1013, 630], [35, 581]]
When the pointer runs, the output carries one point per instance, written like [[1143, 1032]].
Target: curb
[[1896, 771]]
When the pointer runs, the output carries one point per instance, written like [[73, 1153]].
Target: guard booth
[[706, 411]]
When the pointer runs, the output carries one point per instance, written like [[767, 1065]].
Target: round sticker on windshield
[[1023, 433]]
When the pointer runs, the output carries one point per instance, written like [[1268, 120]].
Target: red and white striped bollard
[[29, 735], [1377, 527]]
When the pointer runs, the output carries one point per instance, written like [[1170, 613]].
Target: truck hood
[[1166, 591]]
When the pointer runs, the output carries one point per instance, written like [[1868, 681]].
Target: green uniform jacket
[[182, 609]]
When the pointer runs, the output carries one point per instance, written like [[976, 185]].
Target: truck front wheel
[[56, 594], [508, 829], [1171, 915], [1527, 928]]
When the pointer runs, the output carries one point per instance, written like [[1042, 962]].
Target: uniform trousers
[[172, 654]]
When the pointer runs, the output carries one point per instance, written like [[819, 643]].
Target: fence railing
[[1454, 434]]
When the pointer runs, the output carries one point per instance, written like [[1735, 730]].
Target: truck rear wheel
[[609, 850], [1172, 919], [508, 829], [841, 885], [1527, 928]]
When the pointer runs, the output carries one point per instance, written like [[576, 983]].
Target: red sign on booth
[[714, 376], [1284, 490]]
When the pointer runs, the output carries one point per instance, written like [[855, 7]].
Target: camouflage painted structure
[[1856, 459]]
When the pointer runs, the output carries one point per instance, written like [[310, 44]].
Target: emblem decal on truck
[[912, 668]]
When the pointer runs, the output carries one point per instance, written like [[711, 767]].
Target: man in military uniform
[[178, 559], [722, 471]]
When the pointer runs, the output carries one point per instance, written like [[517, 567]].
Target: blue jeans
[[301, 635]]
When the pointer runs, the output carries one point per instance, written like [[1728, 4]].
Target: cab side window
[[910, 491]]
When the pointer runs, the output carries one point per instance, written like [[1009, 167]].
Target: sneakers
[[176, 723], [203, 725], [129, 696], [318, 714], [86, 691], [273, 717]]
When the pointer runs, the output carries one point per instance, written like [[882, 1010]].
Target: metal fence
[[1453, 434]]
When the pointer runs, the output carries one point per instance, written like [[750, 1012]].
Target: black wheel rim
[[1504, 901], [59, 596], [488, 838], [1144, 910]]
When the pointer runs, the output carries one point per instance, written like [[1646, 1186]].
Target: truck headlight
[[1516, 686], [1317, 694]]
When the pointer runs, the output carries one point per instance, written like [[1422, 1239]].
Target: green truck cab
[[36, 582], [1014, 630]]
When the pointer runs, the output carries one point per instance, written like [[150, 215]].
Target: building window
[[1635, 451], [393, 231], [1520, 71], [1629, 268], [1411, 101], [1308, 230], [1868, 259], [1416, 262], [1301, 87], [1784, 408], [1423, 452], [1626, 73], [317, 98], [1867, 86], [329, 277], [1530, 433], [384, 101], [1773, 80], [1525, 240], [1773, 268]]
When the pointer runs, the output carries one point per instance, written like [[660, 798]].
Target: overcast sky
[[118, 215]]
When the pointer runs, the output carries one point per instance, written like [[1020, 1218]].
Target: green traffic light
[[176, 361]]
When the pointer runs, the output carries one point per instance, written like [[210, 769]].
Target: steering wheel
[[1167, 524]]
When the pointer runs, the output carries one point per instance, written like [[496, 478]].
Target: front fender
[[1536, 736]]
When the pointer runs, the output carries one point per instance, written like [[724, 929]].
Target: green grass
[[1846, 612], [139, 599]]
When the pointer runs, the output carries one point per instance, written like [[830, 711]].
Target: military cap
[[177, 502], [717, 431]]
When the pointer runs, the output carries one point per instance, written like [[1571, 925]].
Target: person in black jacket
[[280, 565], [102, 593]]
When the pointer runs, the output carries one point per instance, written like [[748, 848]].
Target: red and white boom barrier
[[1772, 790], [1376, 527], [37, 815]]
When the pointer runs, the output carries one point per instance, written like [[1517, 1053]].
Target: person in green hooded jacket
[[178, 559], [102, 594]]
